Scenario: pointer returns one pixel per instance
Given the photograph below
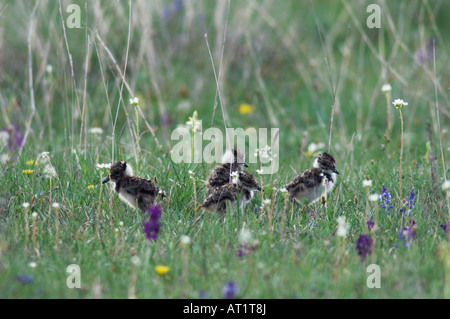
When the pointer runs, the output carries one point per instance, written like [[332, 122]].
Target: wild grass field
[[313, 69]]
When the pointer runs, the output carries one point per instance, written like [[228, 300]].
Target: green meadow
[[315, 70]]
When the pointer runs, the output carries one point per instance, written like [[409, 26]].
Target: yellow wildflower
[[246, 109], [91, 187], [28, 171], [31, 162], [162, 270]]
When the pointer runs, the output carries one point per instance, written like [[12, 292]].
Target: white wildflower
[[194, 123], [399, 103], [259, 171], [43, 155], [283, 190], [134, 101], [265, 152], [96, 130], [386, 88], [34, 215], [313, 148], [267, 202], [26, 205], [185, 240], [32, 264], [103, 166], [235, 177], [374, 197], [367, 183], [446, 186], [55, 205]]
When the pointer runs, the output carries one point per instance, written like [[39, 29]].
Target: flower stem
[[137, 141], [389, 124], [401, 154]]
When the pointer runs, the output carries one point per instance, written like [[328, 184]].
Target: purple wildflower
[[405, 235], [15, 137], [385, 199], [203, 295], [370, 223], [178, 5], [25, 279], [446, 227], [168, 12], [364, 246], [151, 227], [230, 290], [243, 251], [409, 203], [165, 119]]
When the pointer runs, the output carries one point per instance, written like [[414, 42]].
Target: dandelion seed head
[[135, 260], [343, 227], [49, 172]]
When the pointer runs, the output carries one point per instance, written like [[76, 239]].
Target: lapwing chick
[[314, 182], [232, 160], [242, 187], [219, 196], [133, 190]]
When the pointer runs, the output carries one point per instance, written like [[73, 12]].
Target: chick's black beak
[[106, 180], [245, 165], [335, 171]]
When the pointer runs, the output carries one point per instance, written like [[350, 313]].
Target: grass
[[273, 60]]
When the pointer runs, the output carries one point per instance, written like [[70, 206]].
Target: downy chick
[[314, 182], [132, 189]]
